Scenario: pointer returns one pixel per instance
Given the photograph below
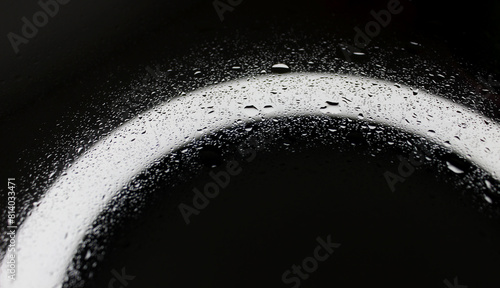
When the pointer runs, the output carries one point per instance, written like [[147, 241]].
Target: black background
[[67, 66]]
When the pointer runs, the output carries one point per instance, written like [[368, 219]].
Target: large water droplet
[[280, 68], [268, 108], [251, 110], [331, 107]]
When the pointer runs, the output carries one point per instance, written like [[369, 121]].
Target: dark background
[[89, 47]]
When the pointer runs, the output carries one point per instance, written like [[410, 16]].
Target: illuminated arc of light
[[48, 239]]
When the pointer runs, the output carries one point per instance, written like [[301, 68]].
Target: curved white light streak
[[49, 238]]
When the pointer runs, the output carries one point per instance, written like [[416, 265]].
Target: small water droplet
[[488, 184], [454, 168], [488, 199], [135, 187]]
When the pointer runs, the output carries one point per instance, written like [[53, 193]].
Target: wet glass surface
[[392, 154]]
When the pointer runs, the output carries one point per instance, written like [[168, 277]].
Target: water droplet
[[280, 68], [488, 184], [268, 108], [431, 132], [251, 110], [135, 187], [454, 168], [331, 107], [87, 256], [332, 103], [488, 199]]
